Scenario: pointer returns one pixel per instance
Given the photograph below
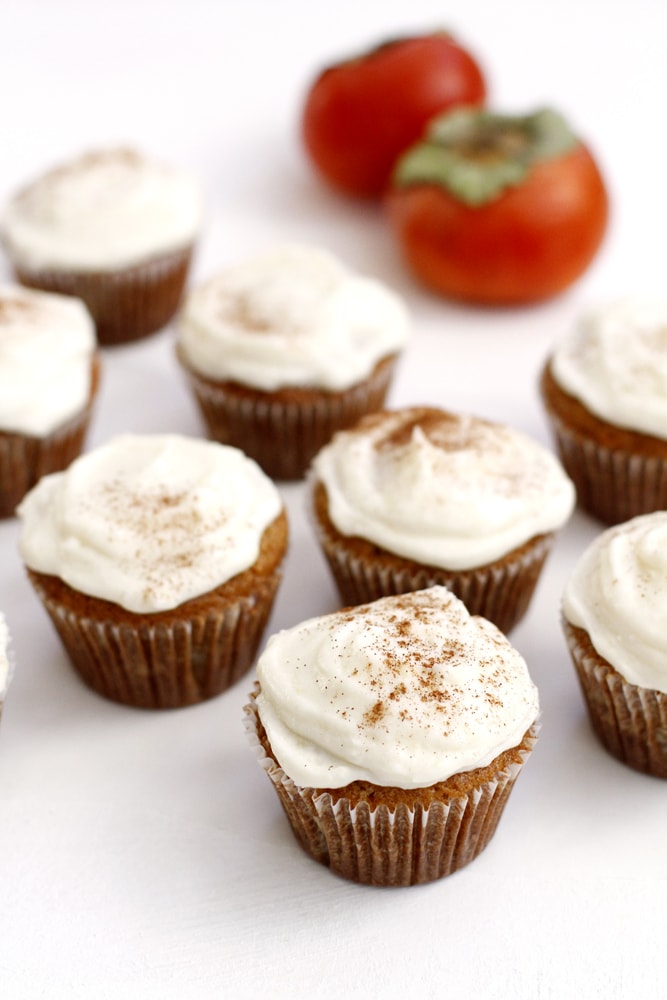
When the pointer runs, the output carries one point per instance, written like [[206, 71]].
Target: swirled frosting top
[[405, 691], [446, 490], [102, 211], [294, 316], [47, 343], [149, 521], [615, 363], [618, 595]]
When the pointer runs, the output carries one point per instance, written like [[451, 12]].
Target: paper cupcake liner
[[630, 721], [283, 432], [500, 591], [390, 846], [613, 485], [10, 673], [164, 664], [25, 459], [127, 304]]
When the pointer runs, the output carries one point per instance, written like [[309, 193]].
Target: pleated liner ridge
[[166, 664], [396, 845], [630, 721]]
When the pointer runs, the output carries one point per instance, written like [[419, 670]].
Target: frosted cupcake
[[49, 371], [605, 391], [286, 348], [158, 559], [113, 228], [615, 621], [393, 733], [415, 497], [5, 661]]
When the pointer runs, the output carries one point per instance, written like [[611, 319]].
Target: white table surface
[[145, 855]]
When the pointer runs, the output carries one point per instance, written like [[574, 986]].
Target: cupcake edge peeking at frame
[[604, 388], [113, 228], [285, 348], [158, 558], [418, 496], [615, 622], [6, 661], [49, 378], [393, 733]]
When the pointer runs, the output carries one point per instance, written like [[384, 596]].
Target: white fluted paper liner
[[500, 591], [390, 846], [283, 434], [163, 664], [127, 304], [5, 679], [613, 485], [630, 721]]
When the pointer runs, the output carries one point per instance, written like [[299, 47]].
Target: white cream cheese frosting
[[6, 664], [405, 692], [456, 492], [149, 521], [618, 595], [615, 363], [47, 343], [294, 316], [105, 210]]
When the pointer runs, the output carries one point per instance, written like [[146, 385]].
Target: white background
[[145, 855]]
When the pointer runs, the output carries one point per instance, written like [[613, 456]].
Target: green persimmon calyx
[[477, 154]]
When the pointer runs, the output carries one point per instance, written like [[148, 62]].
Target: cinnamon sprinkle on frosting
[[406, 691]]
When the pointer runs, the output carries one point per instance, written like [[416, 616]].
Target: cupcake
[[615, 622], [605, 392], [393, 733], [158, 559], [113, 228], [285, 349], [6, 666], [49, 371], [415, 497]]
